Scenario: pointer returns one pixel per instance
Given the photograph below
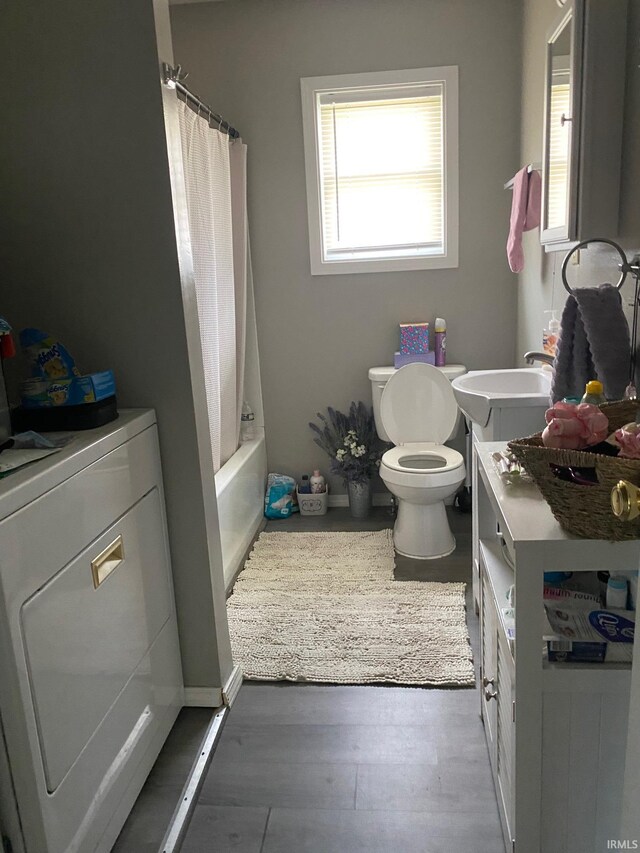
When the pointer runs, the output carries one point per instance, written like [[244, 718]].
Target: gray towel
[[594, 344]]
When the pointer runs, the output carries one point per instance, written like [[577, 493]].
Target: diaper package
[[280, 499], [39, 393], [55, 379], [48, 358]]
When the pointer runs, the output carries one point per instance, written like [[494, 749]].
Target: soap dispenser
[[550, 334]]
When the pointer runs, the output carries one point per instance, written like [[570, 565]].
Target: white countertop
[[87, 446], [526, 518]]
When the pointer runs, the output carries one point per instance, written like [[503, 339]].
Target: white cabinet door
[[497, 703], [630, 829], [505, 733], [488, 672]]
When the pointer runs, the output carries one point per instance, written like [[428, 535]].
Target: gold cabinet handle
[[107, 561], [625, 500]]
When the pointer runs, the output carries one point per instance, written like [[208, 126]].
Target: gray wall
[[88, 249], [540, 285], [318, 336]]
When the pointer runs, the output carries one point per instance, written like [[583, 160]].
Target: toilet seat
[[424, 458], [418, 406]]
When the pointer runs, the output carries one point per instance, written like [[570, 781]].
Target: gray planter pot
[[360, 498]]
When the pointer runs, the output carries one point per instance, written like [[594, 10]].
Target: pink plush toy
[[573, 427], [628, 440]]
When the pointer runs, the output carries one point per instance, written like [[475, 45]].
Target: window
[[381, 155], [559, 143]]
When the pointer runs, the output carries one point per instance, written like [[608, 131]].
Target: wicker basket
[[584, 510]]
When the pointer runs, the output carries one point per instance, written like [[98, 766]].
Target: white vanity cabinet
[[89, 656], [556, 733]]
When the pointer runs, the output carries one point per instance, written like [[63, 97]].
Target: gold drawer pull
[[107, 561]]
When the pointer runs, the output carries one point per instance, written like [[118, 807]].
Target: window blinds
[[382, 172], [559, 141]]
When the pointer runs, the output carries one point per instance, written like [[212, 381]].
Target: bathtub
[[240, 485]]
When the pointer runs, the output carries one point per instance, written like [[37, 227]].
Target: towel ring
[[624, 267]]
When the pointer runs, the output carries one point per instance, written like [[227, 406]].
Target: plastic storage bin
[[313, 504]]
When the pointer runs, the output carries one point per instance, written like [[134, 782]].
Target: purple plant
[[351, 442]]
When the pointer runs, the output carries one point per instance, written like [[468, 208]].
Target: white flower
[[341, 454]]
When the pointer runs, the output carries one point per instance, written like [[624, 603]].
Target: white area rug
[[324, 607]]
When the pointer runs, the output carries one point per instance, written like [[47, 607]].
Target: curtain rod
[[173, 77]]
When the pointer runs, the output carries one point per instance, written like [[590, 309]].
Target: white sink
[[480, 391]]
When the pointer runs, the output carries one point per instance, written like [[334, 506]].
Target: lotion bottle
[[317, 483], [440, 342], [594, 393], [617, 591]]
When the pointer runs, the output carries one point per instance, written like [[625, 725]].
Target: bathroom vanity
[[556, 732], [89, 656]]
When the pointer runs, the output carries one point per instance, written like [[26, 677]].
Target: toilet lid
[[418, 405]]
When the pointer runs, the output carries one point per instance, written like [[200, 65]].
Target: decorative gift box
[[414, 338]]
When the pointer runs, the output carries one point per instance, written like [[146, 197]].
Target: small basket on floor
[[313, 503], [579, 509]]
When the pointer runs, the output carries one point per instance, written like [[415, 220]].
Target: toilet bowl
[[418, 412]]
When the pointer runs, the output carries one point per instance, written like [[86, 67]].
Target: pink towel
[[525, 213]]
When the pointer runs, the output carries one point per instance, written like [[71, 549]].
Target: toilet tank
[[379, 376]]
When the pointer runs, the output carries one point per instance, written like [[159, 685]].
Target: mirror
[[583, 115], [561, 123]]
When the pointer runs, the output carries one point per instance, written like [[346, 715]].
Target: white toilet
[[418, 412]]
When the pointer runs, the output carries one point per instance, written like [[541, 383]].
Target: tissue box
[[414, 338], [43, 393], [400, 359]]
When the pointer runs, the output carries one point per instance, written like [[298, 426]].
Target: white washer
[[418, 413]]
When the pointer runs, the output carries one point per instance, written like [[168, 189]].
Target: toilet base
[[422, 531]]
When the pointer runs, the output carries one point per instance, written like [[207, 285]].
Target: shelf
[[500, 576], [586, 677]]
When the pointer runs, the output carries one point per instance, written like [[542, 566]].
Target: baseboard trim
[[203, 697], [379, 499], [232, 687]]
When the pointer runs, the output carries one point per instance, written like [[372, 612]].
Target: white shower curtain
[[215, 180]]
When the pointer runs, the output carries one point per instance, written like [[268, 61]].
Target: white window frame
[[311, 89]]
